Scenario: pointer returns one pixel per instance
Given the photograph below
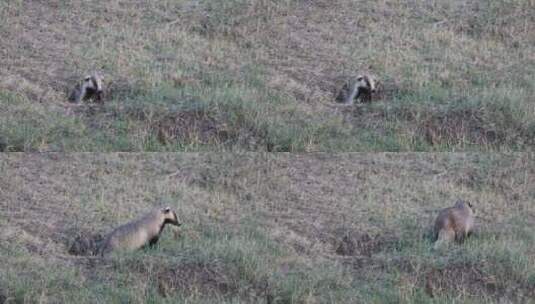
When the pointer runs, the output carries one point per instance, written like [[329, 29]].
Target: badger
[[454, 223], [360, 87], [91, 87], [139, 233]]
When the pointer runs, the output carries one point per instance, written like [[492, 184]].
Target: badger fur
[[139, 233], [454, 223], [360, 88], [91, 87]]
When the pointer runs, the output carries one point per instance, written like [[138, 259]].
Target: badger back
[[462, 217], [135, 234], [444, 220]]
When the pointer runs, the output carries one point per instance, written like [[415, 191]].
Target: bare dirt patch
[[458, 126], [361, 244], [187, 124], [187, 277], [450, 126], [465, 278], [85, 244], [183, 277], [460, 278]]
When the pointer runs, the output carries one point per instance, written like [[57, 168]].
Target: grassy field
[[268, 228], [261, 75]]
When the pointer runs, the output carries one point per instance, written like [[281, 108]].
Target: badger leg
[[153, 241], [460, 236], [364, 96], [367, 98], [98, 98]]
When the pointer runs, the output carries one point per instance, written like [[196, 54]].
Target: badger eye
[[359, 78], [167, 209]]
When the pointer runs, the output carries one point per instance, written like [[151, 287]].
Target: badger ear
[[87, 78]]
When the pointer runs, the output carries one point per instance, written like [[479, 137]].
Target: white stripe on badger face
[[97, 82], [89, 83], [372, 84], [367, 82]]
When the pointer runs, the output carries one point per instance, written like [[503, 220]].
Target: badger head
[[367, 83], [170, 217], [94, 84], [464, 204]]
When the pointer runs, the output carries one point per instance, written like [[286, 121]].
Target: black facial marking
[[363, 90]]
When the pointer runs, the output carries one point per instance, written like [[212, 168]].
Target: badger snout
[[176, 221]]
